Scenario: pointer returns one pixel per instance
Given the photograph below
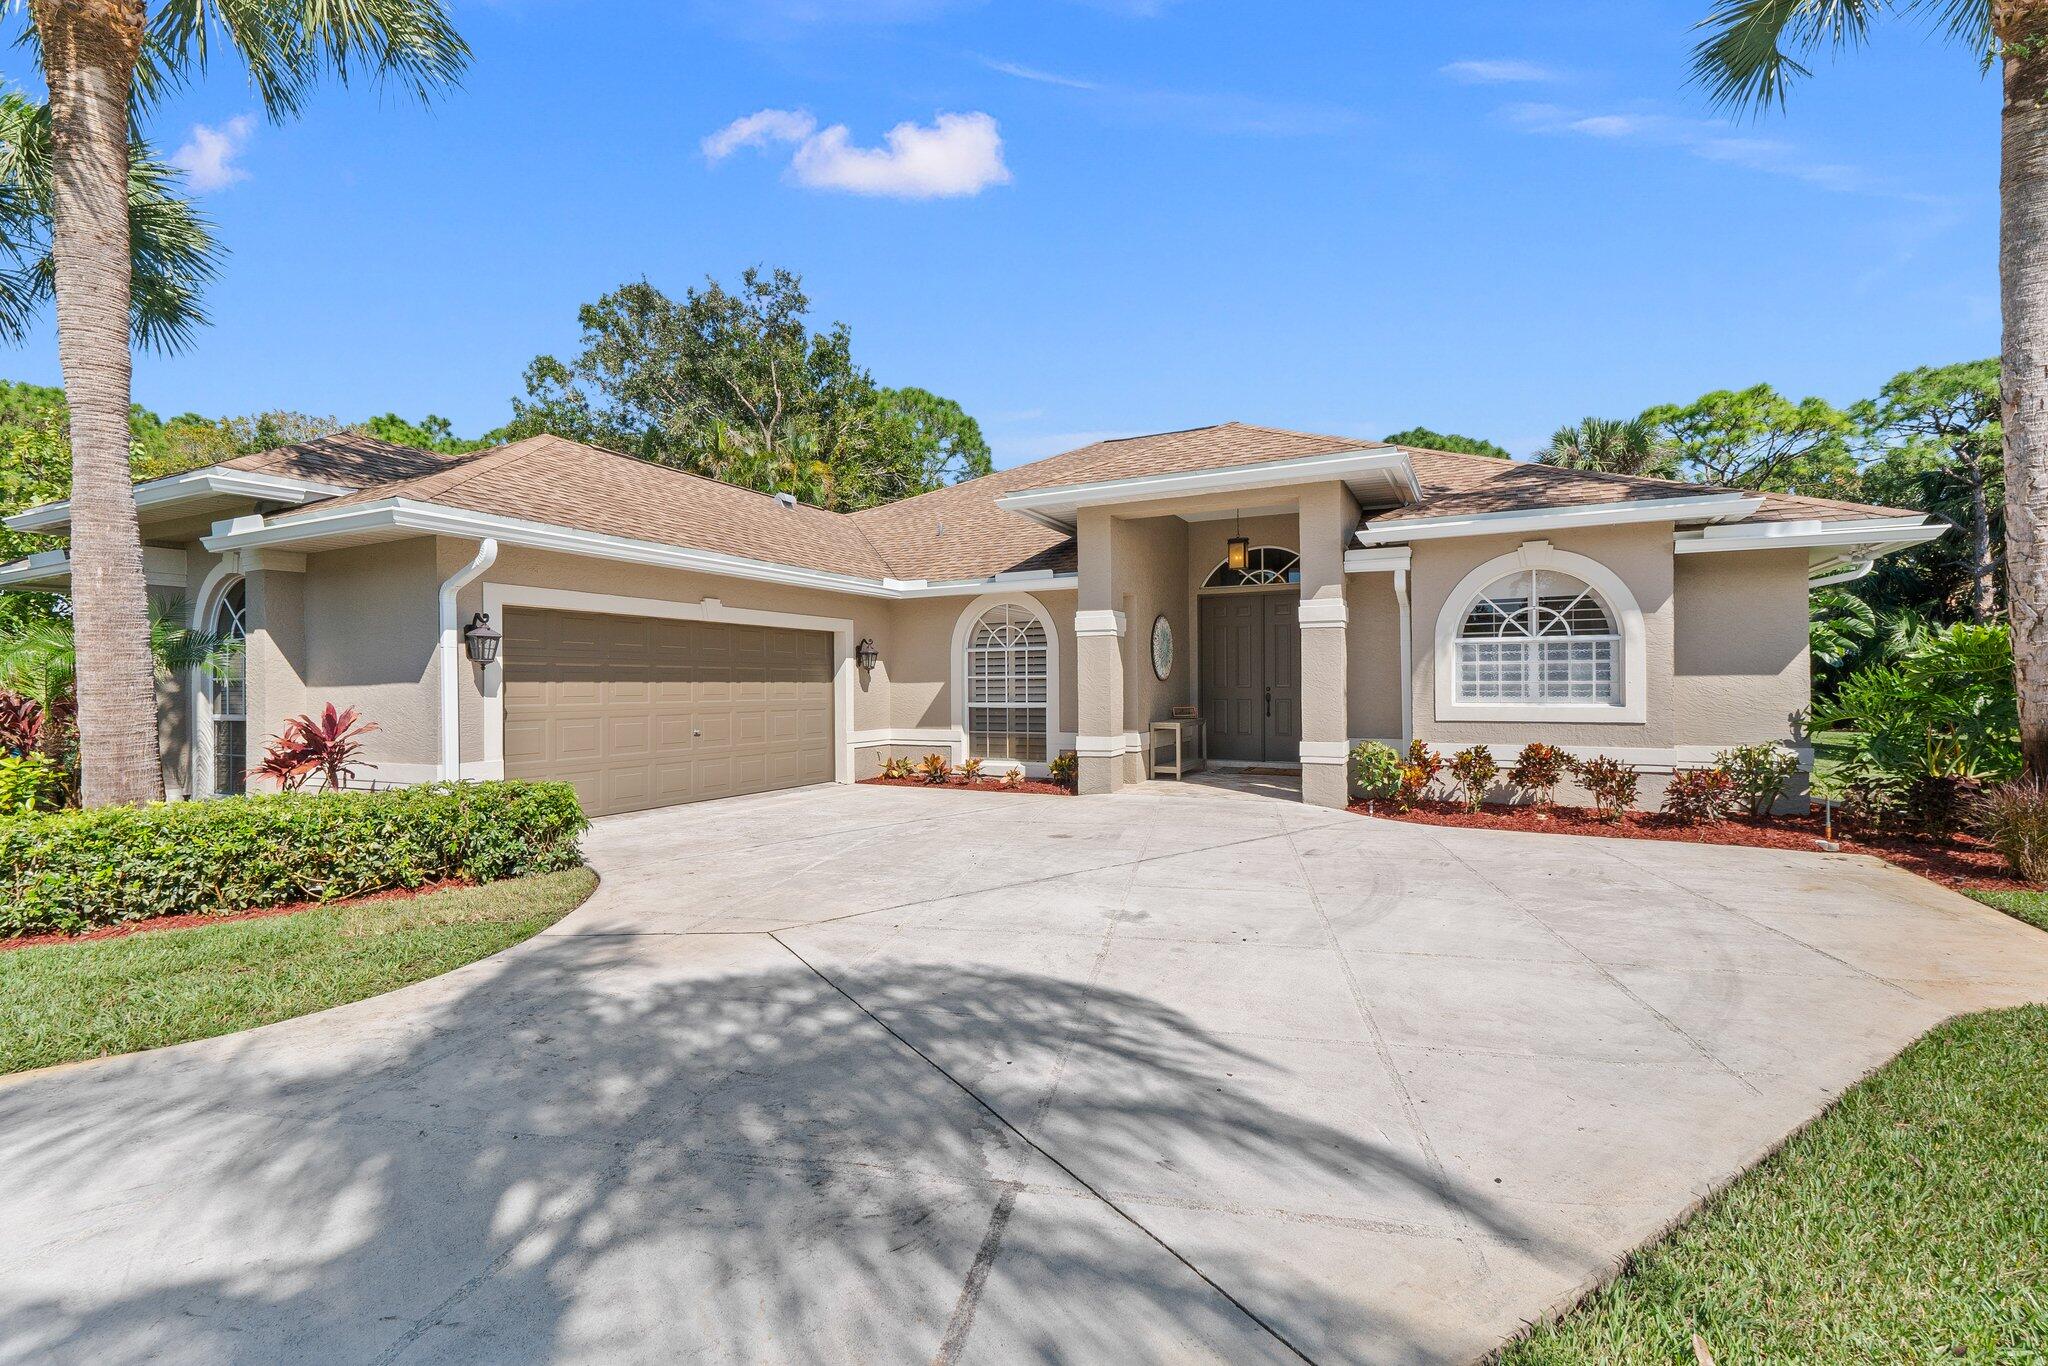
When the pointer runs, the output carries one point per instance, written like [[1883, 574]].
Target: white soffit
[[1374, 475], [194, 488]]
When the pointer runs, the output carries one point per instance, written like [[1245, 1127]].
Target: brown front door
[[638, 712], [1251, 676]]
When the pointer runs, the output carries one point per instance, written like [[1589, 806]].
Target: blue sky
[[1111, 216]]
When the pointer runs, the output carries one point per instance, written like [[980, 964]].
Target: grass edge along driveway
[[1909, 1222], [96, 998]]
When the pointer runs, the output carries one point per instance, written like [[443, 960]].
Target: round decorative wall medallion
[[1162, 647]]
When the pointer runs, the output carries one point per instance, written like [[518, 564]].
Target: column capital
[[1099, 623]]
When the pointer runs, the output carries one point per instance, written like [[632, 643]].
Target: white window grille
[[1538, 636], [1007, 681]]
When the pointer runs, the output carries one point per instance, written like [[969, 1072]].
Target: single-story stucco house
[[669, 638]]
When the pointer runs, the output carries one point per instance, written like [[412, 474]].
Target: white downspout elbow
[[451, 659]]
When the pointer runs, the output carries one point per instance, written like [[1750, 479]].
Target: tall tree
[[1609, 445], [1424, 439], [101, 59], [1746, 61], [1756, 438], [735, 384], [1943, 424]]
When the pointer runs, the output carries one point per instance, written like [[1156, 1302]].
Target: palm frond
[[287, 45], [171, 243], [1746, 60]]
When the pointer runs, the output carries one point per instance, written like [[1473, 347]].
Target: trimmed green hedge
[[78, 870]]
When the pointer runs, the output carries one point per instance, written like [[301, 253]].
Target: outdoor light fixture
[[480, 640], [1238, 552], [866, 655]]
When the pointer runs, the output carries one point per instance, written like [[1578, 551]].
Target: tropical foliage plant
[[970, 771], [1474, 769], [327, 746], [21, 724], [1418, 771], [1065, 769], [1610, 783], [1757, 774], [1610, 446], [1947, 708], [1698, 794], [935, 769], [28, 783], [1538, 769], [1375, 770], [2014, 817]]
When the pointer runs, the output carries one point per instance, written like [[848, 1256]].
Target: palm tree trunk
[[1983, 561], [89, 54]]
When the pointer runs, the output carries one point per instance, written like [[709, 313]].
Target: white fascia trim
[[1879, 534], [1381, 560], [404, 514], [195, 484], [1714, 507], [162, 567], [499, 596], [1056, 506]]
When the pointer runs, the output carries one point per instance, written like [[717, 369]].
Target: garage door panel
[[639, 712]]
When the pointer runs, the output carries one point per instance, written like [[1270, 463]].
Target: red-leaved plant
[[327, 745], [21, 724]]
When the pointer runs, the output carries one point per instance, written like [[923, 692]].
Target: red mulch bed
[[1966, 862], [193, 922], [1037, 785]]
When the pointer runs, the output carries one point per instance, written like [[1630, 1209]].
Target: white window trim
[[216, 583], [499, 596], [1534, 555], [963, 627]]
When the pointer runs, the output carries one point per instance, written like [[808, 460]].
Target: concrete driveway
[[883, 1075]]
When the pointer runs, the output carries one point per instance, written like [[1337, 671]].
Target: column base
[[1325, 785], [1099, 775]]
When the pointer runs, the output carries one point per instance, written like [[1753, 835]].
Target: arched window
[[1537, 636], [1007, 686], [1265, 564], [226, 693]]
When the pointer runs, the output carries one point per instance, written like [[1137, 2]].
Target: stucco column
[[1329, 515], [275, 649], [1098, 658]]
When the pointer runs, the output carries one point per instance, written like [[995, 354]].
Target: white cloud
[[1498, 71], [758, 130], [208, 156], [1209, 112], [957, 154], [1032, 73]]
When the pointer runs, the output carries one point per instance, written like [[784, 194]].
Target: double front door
[[1251, 676]]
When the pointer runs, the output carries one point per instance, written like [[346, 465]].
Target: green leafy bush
[[1758, 774], [2014, 817], [1539, 768], [1699, 794], [1867, 797], [1611, 784], [1947, 709], [77, 870], [1418, 771], [29, 783], [1474, 770], [1065, 769], [1375, 769]]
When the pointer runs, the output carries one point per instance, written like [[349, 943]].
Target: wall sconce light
[[1237, 551], [480, 640], [866, 655]]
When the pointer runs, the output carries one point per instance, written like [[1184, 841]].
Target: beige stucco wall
[[369, 644], [1152, 576], [1374, 682], [1639, 555], [1741, 672]]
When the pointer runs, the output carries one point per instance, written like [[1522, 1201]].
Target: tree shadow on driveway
[[658, 1147]]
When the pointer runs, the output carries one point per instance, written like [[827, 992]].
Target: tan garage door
[[640, 712]]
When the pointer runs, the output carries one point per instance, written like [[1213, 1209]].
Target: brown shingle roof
[[565, 483], [1197, 448], [348, 459]]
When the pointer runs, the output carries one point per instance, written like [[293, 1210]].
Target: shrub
[[1866, 796], [21, 723], [2014, 817], [29, 783], [970, 769], [896, 766], [1539, 768], [1012, 779], [327, 745], [935, 769], [1611, 784], [1947, 708], [1375, 769], [77, 870], [1065, 769], [1474, 769], [1937, 804], [1699, 794], [1418, 771], [1758, 774]]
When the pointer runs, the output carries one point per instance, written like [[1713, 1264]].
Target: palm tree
[[39, 661], [1746, 62], [1610, 446], [101, 60]]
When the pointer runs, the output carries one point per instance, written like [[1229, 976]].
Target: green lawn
[[1830, 748], [63, 1002], [1908, 1223], [2031, 907]]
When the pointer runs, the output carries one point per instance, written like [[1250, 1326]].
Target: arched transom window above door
[[1264, 566], [1009, 670]]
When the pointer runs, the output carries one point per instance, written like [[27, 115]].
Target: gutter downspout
[[451, 659], [1407, 661]]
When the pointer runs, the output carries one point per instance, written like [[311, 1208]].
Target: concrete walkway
[[864, 1074]]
